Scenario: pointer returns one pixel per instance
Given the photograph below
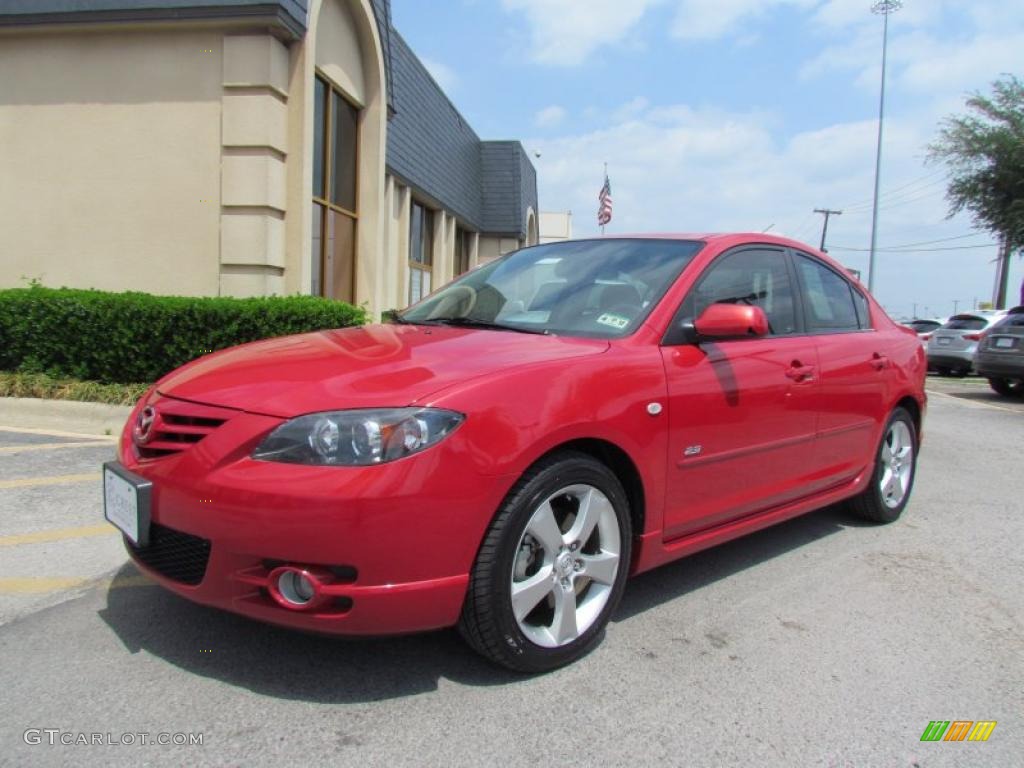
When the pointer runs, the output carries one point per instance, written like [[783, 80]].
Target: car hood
[[372, 366]]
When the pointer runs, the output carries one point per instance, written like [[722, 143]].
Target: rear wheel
[[1007, 387], [893, 479], [552, 566]]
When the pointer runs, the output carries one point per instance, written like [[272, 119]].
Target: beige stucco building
[[240, 149]]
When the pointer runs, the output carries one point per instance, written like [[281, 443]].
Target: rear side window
[[860, 303], [828, 298], [965, 323], [755, 277], [1013, 320]]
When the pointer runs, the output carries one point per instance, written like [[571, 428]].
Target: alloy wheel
[[565, 566], [897, 464]]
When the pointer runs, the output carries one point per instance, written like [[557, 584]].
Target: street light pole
[[883, 7]]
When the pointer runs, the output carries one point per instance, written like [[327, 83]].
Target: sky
[[739, 115]]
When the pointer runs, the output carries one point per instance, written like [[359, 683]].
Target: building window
[[461, 251], [421, 251], [335, 155]]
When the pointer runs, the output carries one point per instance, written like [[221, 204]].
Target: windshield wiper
[[469, 322]]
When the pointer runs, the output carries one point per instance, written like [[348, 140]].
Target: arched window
[[335, 214]]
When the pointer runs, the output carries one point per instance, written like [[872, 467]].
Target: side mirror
[[731, 321]]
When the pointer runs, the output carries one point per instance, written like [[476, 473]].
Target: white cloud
[[675, 168], [714, 19], [445, 76], [549, 116], [987, 42], [566, 32]]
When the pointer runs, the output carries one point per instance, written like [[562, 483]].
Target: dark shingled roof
[[290, 15]]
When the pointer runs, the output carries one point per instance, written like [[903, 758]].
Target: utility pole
[[884, 7], [824, 227], [956, 304], [915, 310], [1002, 275]]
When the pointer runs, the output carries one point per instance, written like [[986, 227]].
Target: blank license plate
[[1005, 342], [943, 340], [126, 500]]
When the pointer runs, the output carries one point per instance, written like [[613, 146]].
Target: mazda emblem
[[144, 425]]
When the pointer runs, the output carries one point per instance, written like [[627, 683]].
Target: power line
[[940, 240], [901, 191], [916, 250]]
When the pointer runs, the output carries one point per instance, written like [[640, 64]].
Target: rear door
[[742, 413], [853, 369]]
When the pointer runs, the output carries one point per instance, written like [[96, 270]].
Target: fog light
[[297, 588]]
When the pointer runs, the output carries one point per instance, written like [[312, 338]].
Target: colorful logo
[[958, 730]]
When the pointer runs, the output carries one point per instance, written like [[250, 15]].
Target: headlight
[[357, 438]]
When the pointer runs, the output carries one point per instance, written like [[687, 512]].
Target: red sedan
[[503, 454]]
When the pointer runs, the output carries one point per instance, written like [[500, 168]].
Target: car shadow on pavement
[[289, 664], [286, 663], [699, 570]]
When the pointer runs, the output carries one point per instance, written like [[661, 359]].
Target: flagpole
[[605, 179]]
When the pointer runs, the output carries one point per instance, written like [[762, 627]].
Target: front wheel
[[895, 466], [552, 566]]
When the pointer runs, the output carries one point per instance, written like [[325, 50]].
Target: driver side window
[[756, 277]]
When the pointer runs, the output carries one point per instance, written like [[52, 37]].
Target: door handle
[[800, 373], [879, 362]]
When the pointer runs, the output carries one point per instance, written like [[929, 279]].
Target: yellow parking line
[[978, 403], [40, 585], [32, 586], [51, 446], [58, 433], [58, 534], [29, 482]]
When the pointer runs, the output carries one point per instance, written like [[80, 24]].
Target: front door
[[742, 414]]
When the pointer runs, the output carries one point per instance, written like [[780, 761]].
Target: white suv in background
[[951, 348]]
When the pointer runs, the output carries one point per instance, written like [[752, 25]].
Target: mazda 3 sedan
[[505, 453]]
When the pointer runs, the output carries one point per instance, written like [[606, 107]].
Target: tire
[[882, 502], [556, 573], [1007, 387], [942, 370]]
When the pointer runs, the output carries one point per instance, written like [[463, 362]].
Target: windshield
[[924, 326], [593, 288]]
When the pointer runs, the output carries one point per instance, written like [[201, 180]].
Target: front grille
[[175, 555], [178, 425]]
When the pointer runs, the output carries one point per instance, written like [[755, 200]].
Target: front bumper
[[399, 539]]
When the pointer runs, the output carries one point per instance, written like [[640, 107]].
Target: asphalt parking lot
[[822, 641]]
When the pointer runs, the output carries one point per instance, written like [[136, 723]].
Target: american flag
[[604, 197]]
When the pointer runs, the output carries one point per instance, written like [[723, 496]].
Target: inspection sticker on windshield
[[615, 321]]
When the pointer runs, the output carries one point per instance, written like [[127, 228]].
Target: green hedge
[[132, 337]]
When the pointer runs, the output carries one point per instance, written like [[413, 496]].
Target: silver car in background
[[925, 327], [1000, 355], [951, 348]]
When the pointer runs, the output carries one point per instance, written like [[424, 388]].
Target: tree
[[984, 152]]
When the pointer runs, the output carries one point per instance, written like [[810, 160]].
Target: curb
[[63, 415]]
